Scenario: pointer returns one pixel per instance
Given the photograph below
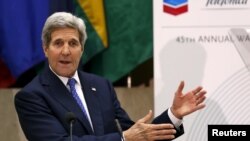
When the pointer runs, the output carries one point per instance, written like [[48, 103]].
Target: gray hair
[[62, 20]]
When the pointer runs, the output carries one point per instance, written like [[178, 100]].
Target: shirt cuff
[[177, 122], [123, 138]]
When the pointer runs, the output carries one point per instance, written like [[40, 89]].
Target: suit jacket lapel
[[58, 90], [90, 93]]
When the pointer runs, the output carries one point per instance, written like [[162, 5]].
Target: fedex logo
[[175, 7]]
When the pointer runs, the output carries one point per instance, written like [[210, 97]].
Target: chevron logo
[[175, 7]]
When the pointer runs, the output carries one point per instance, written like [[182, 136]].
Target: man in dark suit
[[43, 104]]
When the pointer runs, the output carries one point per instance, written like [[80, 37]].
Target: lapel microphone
[[70, 118], [119, 128]]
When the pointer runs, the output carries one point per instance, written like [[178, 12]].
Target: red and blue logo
[[175, 7]]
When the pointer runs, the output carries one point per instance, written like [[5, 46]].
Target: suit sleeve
[[120, 113], [127, 123], [164, 118]]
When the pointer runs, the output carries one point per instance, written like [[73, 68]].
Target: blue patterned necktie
[[72, 83]]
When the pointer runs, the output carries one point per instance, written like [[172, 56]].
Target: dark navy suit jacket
[[44, 102]]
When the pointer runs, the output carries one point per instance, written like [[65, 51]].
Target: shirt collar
[[65, 79]]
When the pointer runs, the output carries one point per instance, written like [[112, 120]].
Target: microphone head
[[70, 117]]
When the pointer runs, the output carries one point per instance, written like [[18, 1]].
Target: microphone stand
[[70, 118], [119, 128], [71, 130]]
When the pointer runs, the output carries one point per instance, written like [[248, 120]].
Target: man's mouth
[[64, 62]]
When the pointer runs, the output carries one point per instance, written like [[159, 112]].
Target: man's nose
[[65, 49]]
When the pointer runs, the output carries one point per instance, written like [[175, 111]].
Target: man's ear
[[82, 50], [45, 50]]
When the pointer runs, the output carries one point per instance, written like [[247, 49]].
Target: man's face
[[64, 51]]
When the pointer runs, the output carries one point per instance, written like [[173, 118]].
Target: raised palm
[[184, 104]]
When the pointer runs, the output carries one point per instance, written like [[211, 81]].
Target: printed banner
[[206, 43]]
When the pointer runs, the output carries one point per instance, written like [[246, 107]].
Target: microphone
[[70, 118], [119, 128]]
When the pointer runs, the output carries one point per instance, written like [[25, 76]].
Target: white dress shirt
[[79, 91]]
